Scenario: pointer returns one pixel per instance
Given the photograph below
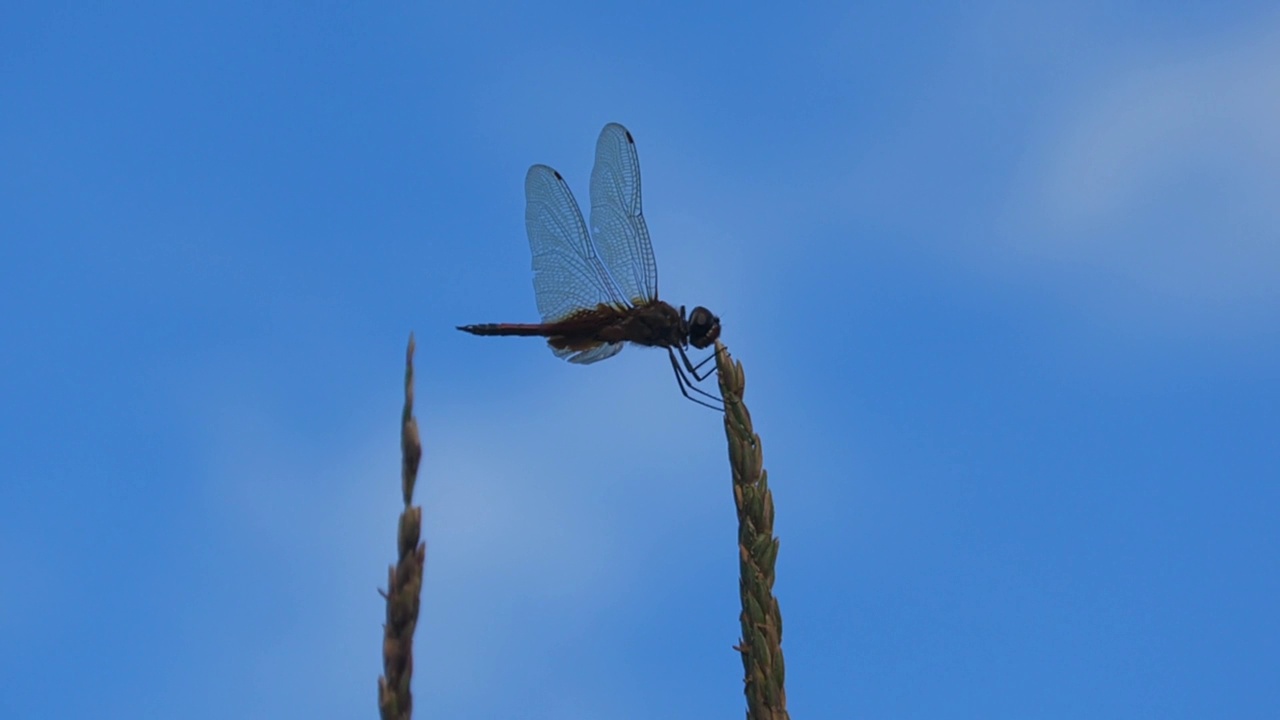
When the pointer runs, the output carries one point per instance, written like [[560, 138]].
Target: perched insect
[[598, 290]]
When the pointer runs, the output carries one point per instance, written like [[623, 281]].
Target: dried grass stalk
[[761, 642], [404, 580]]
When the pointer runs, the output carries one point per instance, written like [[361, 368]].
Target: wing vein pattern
[[617, 222], [568, 275]]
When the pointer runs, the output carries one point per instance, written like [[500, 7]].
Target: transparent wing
[[586, 357], [617, 224], [567, 274]]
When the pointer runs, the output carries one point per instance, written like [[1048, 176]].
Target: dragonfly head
[[704, 327]]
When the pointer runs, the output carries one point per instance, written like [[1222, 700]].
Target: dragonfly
[[598, 291]]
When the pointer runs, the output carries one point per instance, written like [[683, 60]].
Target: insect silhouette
[[597, 291]]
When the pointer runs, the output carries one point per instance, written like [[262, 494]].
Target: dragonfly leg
[[686, 384], [693, 369]]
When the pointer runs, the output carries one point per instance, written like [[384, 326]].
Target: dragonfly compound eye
[[704, 328]]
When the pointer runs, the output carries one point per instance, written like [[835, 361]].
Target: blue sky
[[1003, 277]]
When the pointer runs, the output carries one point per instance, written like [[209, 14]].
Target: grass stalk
[[761, 642], [404, 579]]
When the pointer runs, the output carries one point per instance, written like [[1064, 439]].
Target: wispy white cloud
[[1162, 179], [1216, 110]]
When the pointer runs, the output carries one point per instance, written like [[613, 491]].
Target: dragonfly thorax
[[656, 324]]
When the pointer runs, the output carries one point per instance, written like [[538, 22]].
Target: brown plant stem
[[404, 581], [761, 642]]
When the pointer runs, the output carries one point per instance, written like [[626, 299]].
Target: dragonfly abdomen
[[561, 342], [520, 329]]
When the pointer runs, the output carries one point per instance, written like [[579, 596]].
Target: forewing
[[568, 276], [617, 224]]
